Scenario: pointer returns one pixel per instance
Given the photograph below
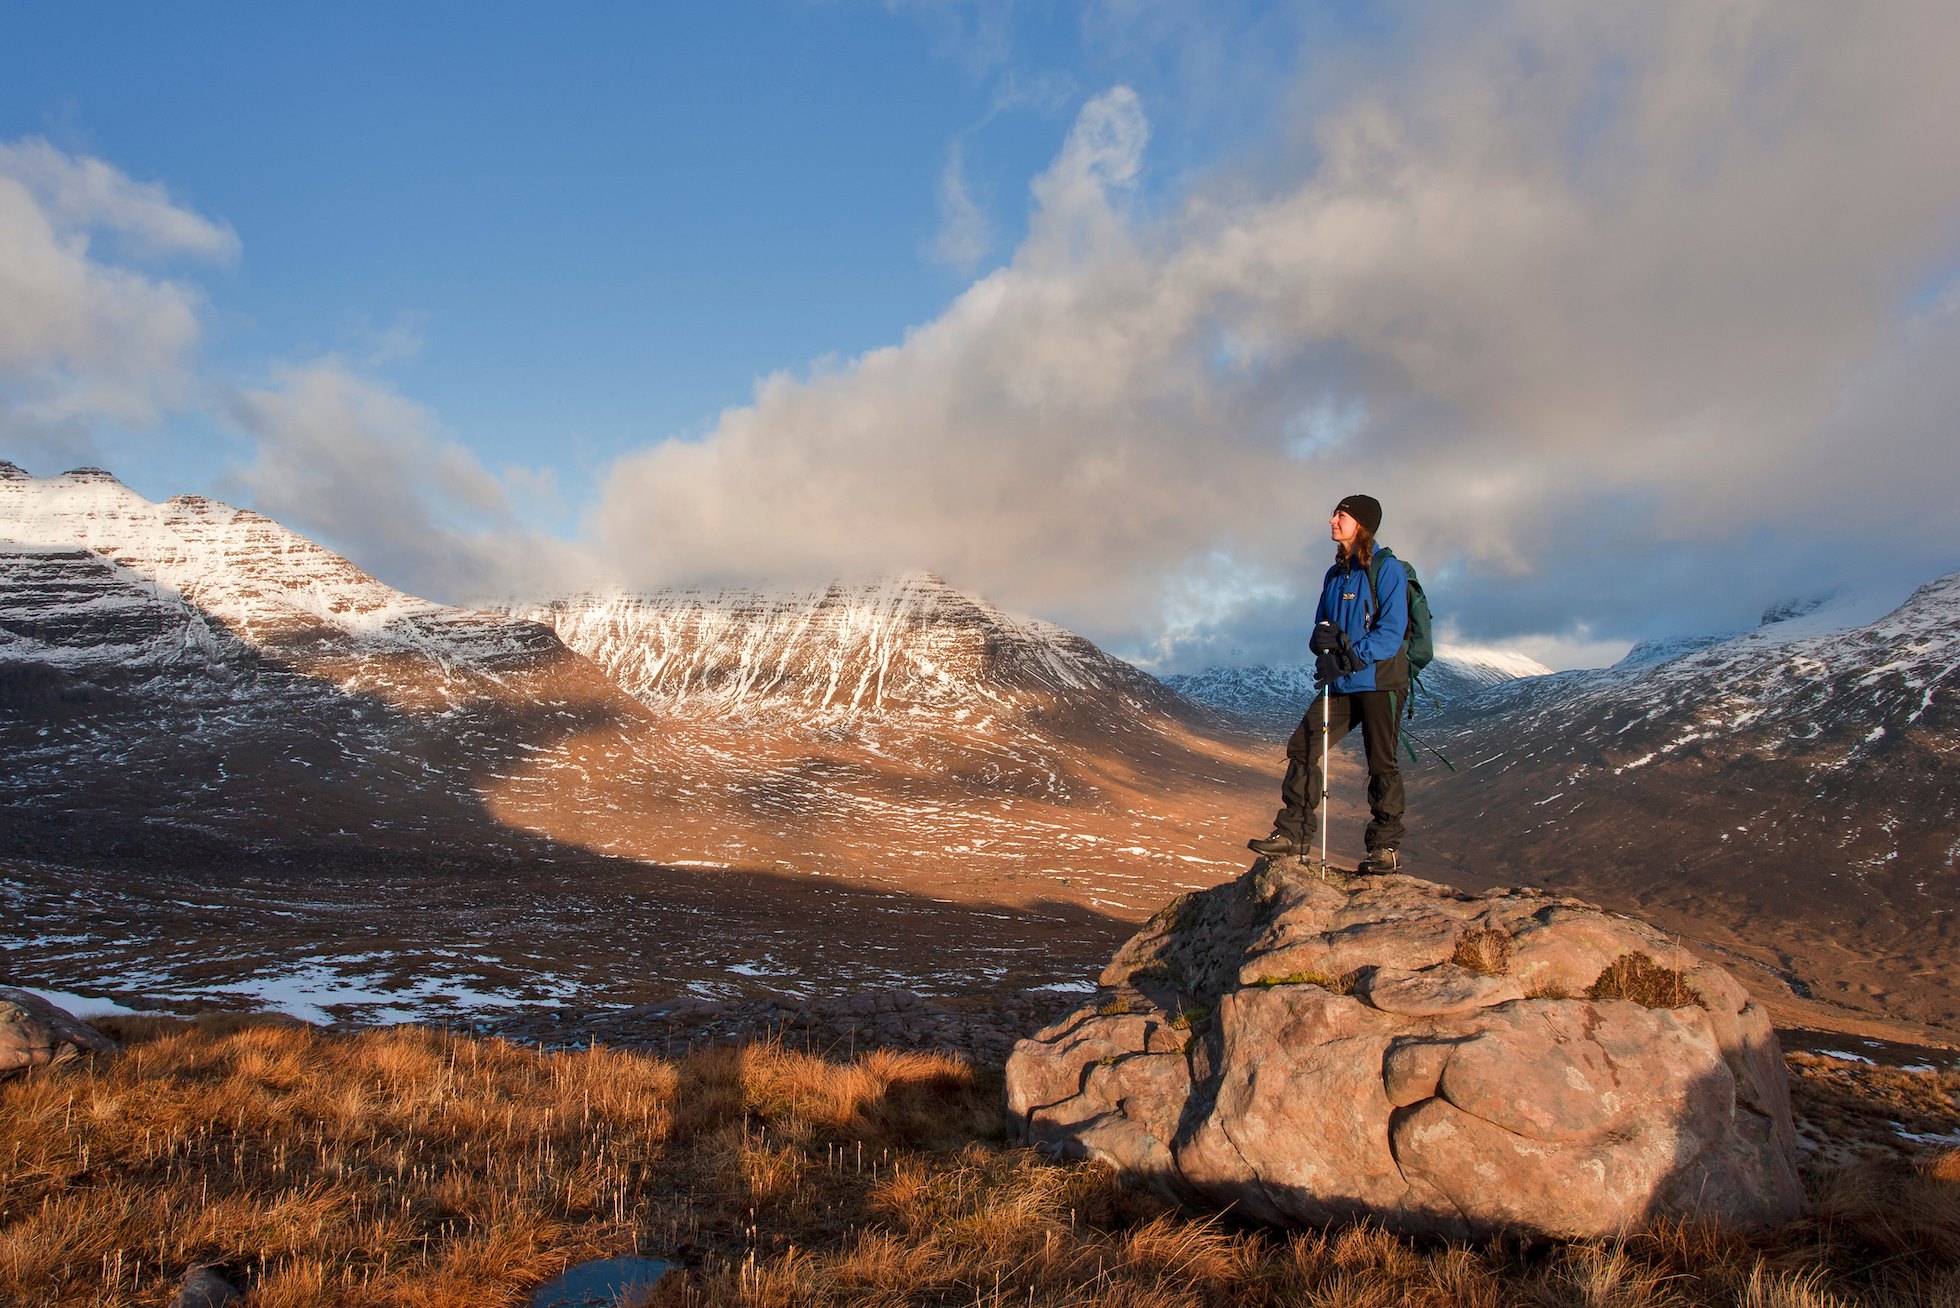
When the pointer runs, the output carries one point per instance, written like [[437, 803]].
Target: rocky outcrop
[[1307, 1050], [34, 1033]]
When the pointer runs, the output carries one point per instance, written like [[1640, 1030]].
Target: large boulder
[[34, 1033], [1307, 1050]]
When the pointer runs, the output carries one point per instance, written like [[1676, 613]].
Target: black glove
[[1335, 655]]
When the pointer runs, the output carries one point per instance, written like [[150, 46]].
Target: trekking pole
[[1326, 700]]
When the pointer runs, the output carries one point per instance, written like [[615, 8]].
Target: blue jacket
[[1345, 601]]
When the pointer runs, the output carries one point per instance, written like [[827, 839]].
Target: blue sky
[[602, 222], [569, 230], [1043, 296]]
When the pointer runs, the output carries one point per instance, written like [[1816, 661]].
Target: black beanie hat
[[1364, 509]]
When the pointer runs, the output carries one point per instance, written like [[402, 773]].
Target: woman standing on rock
[[1362, 670]]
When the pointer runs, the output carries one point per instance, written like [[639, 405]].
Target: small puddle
[[601, 1283]]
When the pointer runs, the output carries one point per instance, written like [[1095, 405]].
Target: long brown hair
[[1363, 552]]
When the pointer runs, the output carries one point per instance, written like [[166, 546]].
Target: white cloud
[[87, 194], [402, 340], [345, 459], [1593, 297], [1078, 199], [965, 236], [83, 339]]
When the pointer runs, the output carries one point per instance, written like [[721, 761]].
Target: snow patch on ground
[[309, 992], [87, 1005]]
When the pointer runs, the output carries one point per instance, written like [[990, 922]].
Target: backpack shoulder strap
[[1374, 571]]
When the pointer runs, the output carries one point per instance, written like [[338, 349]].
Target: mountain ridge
[[244, 581], [910, 645]]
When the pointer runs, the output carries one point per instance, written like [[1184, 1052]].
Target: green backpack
[[1419, 643]]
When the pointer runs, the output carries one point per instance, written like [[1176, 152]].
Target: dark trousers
[[1380, 733]]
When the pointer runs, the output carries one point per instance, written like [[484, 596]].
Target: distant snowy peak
[[1784, 622], [1275, 695], [1909, 655], [1809, 769], [1649, 653], [906, 645], [1269, 695], [88, 559], [1477, 667], [1835, 695]]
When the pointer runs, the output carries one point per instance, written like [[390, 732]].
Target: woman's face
[[1342, 527]]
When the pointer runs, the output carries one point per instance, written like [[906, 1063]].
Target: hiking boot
[[1277, 845], [1380, 862]]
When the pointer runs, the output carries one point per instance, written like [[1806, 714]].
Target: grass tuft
[[1339, 985], [1486, 951], [1640, 980]]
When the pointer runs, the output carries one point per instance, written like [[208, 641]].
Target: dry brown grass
[[1486, 951], [412, 1166], [1339, 985], [409, 1166], [1640, 980], [1896, 1206]]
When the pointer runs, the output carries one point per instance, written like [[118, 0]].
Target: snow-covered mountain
[[908, 646], [1787, 687], [1788, 619], [1270, 698], [1801, 773], [214, 726], [95, 574], [186, 671]]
